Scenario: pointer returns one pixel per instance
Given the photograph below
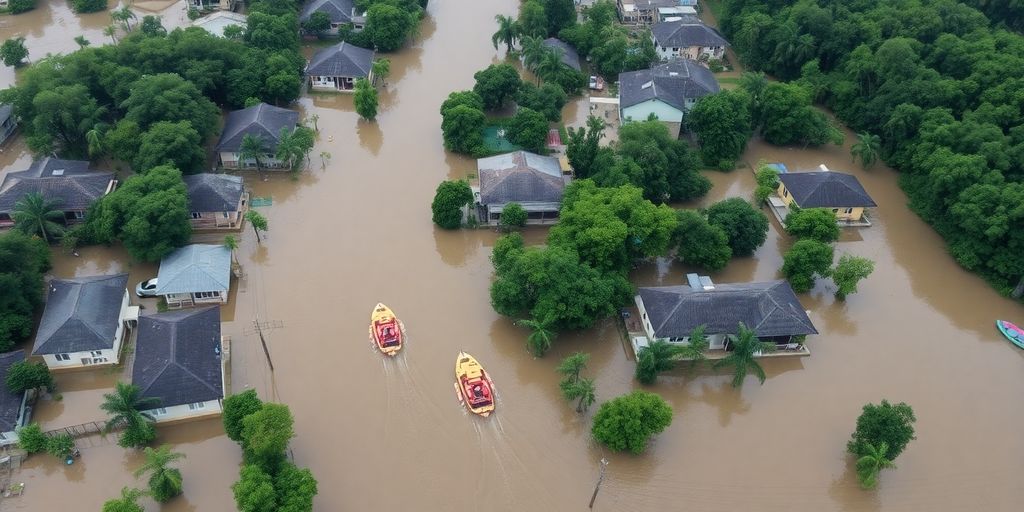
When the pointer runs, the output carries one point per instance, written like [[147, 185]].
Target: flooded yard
[[388, 434]]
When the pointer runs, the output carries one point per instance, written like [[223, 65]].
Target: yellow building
[[840, 192]]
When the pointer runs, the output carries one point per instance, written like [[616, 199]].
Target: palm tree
[[533, 51], [659, 356], [124, 15], [81, 41], [746, 348], [314, 118], [380, 69], [94, 138], [508, 32], [866, 148], [550, 64], [231, 244], [539, 340], [127, 501], [288, 150], [583, 391], [111, 31], [125, 406], [164, 482], [872, 463], [258, 221], [251, 149], [34, 215], [324, 157], [572, 366]]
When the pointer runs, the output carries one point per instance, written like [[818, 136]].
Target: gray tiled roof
[[195, 268], [689, 31], [520, 177], [769, 308], [213, 192], [342, 59], [5, 111], [10, 403], [569, 56], [339, 11], [826, 189], [672, 82], [178, 357], [262, 121], [81, 314], [70, 183]]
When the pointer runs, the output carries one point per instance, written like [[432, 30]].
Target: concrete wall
[[181, 412]]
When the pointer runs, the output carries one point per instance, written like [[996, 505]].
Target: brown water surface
[[388, 434]]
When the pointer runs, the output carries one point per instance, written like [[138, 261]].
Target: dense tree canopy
[[700, 243], [175, 144], [13, 51], [389, 23], [547, 99], [167, 97], [22, 263], [24, 375], [805, 261], [888, 423], [20, 6], [462, 128], [665, 167], [528, 129], [497, 84], [629, 421], [610, 46], [265, 436], [365, 99], [236, 408], [83, 6], [449, 200], [814, 223], [722, 124], [746, 226]]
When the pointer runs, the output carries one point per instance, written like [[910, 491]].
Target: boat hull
[[473, 385], [386, 331], [1012, 332]]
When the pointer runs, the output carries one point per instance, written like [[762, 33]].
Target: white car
[[146, 288]]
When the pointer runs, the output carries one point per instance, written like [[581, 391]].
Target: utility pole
[[257, 328], [604, 464]]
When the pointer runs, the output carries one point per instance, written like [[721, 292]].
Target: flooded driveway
[[383, 434]]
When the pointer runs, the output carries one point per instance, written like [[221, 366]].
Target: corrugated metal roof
[[195, 268]]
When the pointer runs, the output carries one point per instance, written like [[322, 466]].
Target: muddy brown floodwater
[[389, 435]]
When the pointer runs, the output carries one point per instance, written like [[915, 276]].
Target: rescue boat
[[386, 330], [473, 385]]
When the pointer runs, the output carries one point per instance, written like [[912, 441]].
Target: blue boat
[[1012, 332]]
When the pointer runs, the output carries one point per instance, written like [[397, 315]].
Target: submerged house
[[217, 22], [688, 37], [212, 5], [179, 361], [340, 12], [566, 51], [770, 308], [68, 183], [14, 411], [533, 181], [7, 122], [85, 321], [666, 91], [336, 68], [265, 122], [215, 201], [194, 275], [840, 192], [643, 12]]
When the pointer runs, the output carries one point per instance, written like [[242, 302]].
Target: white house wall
[[181, 412], [111, 355]]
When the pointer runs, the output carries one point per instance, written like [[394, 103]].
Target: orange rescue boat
[[386, 330]]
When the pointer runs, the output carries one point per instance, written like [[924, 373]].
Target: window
[[197, 406], [848, 211], [62, 357], [159, 412], [96, 353], [207, 295], [785, 193], [835, 210], [225, 215], [95, 360], [79, 215], [675, 50], [197, 215]]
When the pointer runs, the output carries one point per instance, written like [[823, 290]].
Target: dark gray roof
[[10, 403], [177, 357], [262, 121], [342, 59], [520, 177], [339, 11], [68, 182], [81, 314], [826, 189], [5, 111], [770, 309], [569, 56], [195, 268], [689, 31], [213, 192], [672, 82]]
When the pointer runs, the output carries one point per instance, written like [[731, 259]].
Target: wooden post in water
[[604, 464]]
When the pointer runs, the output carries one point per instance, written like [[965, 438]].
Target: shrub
[[513, 216], [31, 438], [629, 421], [449, 199], [60, 446], [883, 423]]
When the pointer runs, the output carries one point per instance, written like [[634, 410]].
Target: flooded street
[[389, 435]]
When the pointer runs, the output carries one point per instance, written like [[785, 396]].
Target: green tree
[[662, 165], [610, 228], [508, 32], [572, 366], [124, 15], [746, 347], [787, 117], [60, 118], [34, 215], [294, 146], [254, 490], [529, 130], [496, 85], [883, 423], [110, 30], [805, 261], [866, 148], [23, 376], [812, 223], [318, 24], [466, 98], [236, 408], [13, 52], [164, 481], [125, 406], [265, 436], [175, 144], [560, 14], [84, 6], [152, 27], [629, 421], [660, 356], [258, 223], [366, 99], [123, 140], [449, 199], [746, 226], [513, 216], [547, 99], [129, 497], [462, 127], [94, 139], [252, 148], [22, 263], [541, 334], [31, 438], [583, 147], [60, 445], [848, 272], [82, 42], [149, 214], [532, 20], [167, 97], [722, 123], [700, 243], [380, 69], [872, 463], [388, 27], [767, 182], [20, 6], [295, 489], [573, 386]]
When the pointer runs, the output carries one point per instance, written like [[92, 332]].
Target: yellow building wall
[[854, 215]]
